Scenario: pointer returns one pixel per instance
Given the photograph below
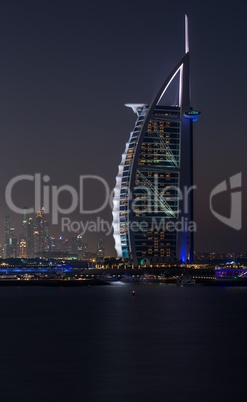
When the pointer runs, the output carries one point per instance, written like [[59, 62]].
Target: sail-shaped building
[[153, 197]]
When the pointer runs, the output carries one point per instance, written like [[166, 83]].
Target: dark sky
[[68, 67]]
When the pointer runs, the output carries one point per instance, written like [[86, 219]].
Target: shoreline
[[52, 282]]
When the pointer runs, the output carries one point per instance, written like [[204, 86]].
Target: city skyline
[[203, 254], [64, 87], [37, 241]]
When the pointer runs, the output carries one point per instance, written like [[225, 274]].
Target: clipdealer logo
[[49, 197], [44, 192], [233, 187]]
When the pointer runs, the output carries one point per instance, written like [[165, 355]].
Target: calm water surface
[[102, 344]]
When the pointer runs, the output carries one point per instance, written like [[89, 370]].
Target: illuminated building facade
[[22, 248], [6, 236], [152, 221], [101, 250], [41, 233], [30, 238]]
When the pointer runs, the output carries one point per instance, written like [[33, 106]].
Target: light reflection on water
[[104, 344]]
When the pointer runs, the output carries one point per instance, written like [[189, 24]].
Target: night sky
[[68, 67]]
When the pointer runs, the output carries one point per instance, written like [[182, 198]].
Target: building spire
[[186, 34]]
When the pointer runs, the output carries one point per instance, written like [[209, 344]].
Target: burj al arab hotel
[[153, 196]]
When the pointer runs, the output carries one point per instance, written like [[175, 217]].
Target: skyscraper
[[12, 249], [22, 248], [76, 246], [10, 240], [41, 233], [101, 250], [24, 236], [24, 224], [30, 238], [6, 235], [153, 201]]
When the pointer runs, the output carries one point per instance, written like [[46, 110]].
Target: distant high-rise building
[[76, 246], [10, 240], [22, 248], [6, 235], [53, 244], [36, 245], [12, 249], [30, 238], [41, 233], [24, 224], [101, 250], [156, 165], [80, 247], [23, 236]]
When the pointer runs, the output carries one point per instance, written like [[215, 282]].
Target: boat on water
[[108, 278], [185, 281], [148, 278]]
